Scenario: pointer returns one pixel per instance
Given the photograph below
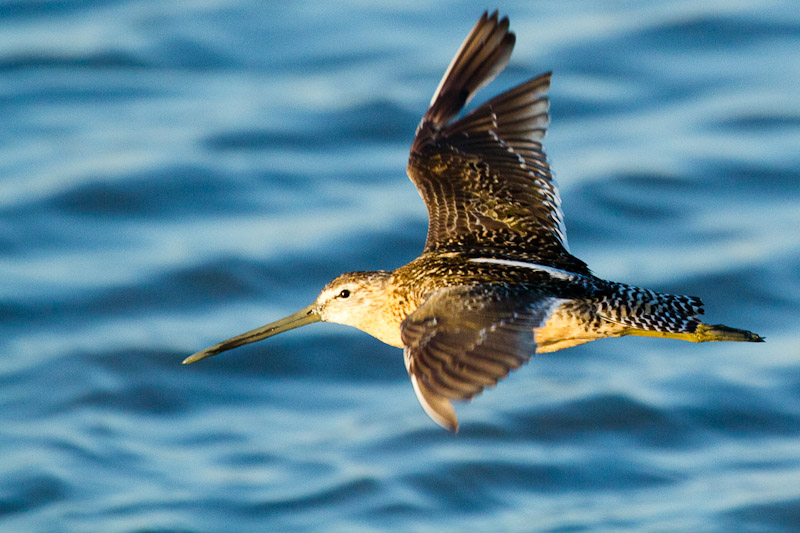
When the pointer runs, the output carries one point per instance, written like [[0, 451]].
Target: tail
[[646, 313]]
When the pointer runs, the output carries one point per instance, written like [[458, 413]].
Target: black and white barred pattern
[[649, 310]]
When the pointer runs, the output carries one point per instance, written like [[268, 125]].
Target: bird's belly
[[569, 325]]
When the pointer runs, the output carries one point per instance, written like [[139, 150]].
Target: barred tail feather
[[651, 314]]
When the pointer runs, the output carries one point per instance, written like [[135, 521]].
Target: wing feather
[[486, 176], [466, 338]]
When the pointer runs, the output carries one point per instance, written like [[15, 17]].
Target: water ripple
[[177, 173]]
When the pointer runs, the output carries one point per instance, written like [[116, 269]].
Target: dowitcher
[[496, 282]]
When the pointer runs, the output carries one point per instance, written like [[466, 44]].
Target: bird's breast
[[384, 322]]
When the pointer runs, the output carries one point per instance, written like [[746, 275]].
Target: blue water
[[174, 173]]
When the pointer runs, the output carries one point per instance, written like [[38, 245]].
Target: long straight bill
[[307, 315]]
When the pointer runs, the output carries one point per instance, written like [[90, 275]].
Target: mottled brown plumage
[[495, 283]]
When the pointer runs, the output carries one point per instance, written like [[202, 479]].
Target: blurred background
[[174, 173]]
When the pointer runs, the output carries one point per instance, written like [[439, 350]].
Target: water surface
[[176, 173]]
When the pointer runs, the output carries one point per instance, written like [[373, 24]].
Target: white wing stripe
[[555, 272]]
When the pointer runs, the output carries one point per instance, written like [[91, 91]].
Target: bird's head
[[353, 299]]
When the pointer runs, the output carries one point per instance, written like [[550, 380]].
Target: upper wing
[[463, 339], [487, 173]]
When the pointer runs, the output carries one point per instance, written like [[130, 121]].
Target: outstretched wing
[[463, 339], [485, 178]]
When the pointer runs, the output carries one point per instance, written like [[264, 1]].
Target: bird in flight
[[496, 282]]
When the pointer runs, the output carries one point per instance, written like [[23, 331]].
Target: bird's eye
[[344, 294]]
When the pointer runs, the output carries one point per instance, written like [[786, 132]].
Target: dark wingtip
[[483, 54]]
